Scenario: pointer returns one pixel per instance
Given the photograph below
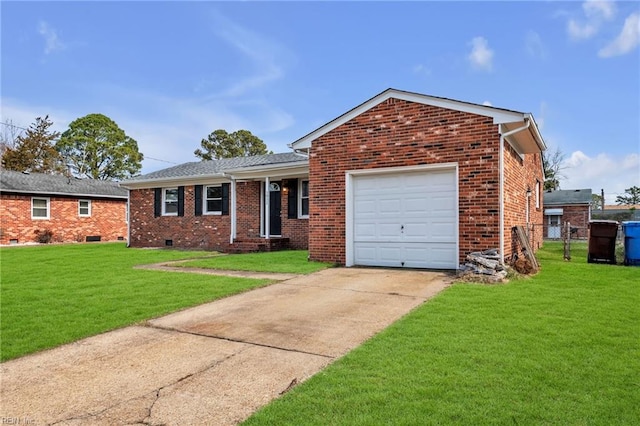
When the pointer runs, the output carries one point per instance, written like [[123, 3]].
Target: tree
[[34, 151], [8, 136], [220, 144], [96, 147], [596, 202], [632, 198], [553, 166]]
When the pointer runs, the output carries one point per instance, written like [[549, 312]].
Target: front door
[[275, 209]]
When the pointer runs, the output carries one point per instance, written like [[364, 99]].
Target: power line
[[13, 125], [157, 159]]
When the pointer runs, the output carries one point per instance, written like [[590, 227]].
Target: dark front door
[[275, 207]]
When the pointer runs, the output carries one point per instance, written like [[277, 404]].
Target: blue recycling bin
[[631, 231]]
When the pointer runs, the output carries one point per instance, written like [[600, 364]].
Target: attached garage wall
[[403, 218], [398, 133]]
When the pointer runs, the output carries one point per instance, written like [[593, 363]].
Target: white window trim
[[300, 215], [164, 201], [48, 200], [88, 208], [204, 201]]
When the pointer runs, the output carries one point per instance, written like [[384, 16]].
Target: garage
[[403, 218]]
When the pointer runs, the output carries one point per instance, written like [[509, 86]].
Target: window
[[170, 202], [39, 208], [84, 208], [213, 200], [537, 194], [304, 199]]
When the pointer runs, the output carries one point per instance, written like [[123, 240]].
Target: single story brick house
[[569, 205], [72, 209], [401, 180]]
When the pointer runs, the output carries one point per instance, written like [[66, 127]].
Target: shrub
[[44, 236]]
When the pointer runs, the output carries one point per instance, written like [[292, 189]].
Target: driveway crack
[[146, 420], [229, 339]]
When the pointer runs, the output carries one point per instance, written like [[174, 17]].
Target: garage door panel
[[366, 231], [406, 219], [389, 206], [418, 255]]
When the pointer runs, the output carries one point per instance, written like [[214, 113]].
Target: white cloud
[[626, 41], [597, 9], [481, 56], [613, 174], [596, 12], [487, 103], [266, 56], [52, 42], [535, 47], [420, 69], [578, 31]]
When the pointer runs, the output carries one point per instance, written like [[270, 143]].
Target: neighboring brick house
[[404, 180], [562, 206], [71, 209]]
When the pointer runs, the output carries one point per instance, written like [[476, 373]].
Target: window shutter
[[157, 202], [198, 196], [292, 199], [225, 198], [181, 201]]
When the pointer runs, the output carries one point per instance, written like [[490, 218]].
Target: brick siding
[[400, 133], [207, 232], [107, 220]]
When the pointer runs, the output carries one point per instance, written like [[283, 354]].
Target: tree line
[[94, 146]]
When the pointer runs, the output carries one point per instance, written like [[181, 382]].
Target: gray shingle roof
[[43, 184], [567, 197], [213, 167]]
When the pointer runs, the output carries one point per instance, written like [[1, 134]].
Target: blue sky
[[169, 73]]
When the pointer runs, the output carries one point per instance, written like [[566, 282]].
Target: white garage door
[[406, 220]]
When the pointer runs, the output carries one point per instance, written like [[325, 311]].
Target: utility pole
[[602, 195]]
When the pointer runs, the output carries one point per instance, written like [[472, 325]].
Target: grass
[[52, 295], [562, 347], [287, 261]]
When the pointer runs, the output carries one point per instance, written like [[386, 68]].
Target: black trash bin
[[602, 241]]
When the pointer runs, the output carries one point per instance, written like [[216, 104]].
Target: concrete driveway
[[216, 363]]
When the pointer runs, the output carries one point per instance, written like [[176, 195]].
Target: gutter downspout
[[501, 165], [128, 217]]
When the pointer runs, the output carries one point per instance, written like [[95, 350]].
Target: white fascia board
[[175, 181], [499, 115], [260, 172], [256, 172]]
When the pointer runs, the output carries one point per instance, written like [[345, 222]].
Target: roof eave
[[155, 182], [253, 172], [66, 194]]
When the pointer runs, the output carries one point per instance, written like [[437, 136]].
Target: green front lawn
[[286, 261], [560, 348], [56, 294]]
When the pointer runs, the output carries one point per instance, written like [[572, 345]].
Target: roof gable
[[499, 115], [44, 184]]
